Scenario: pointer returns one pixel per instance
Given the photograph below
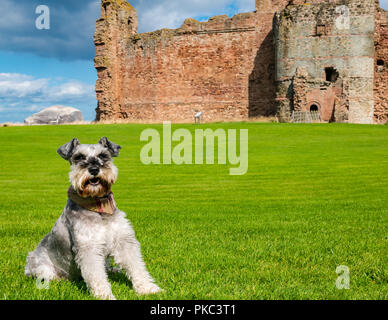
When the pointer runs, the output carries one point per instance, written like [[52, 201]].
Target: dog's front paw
[[149, 288], [106, 297], [104, 294]]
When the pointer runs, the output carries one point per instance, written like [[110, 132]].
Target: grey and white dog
[[83, 239]]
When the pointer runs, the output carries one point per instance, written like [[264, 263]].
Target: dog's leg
[[128, 256], [92, 266], [39, 265]]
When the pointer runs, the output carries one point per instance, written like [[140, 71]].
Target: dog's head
[[92, 172]]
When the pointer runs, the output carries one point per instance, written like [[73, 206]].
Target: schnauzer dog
[[91, 230]]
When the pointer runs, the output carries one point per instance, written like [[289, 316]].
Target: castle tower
[[325, 60], [118, 18]]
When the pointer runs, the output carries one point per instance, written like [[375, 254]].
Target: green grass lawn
[[315, 197]]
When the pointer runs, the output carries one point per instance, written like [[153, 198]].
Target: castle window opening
[[380, 65], [314, 108], [331, 74], [321, 30]]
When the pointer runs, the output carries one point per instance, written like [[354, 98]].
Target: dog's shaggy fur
[[82, 241]]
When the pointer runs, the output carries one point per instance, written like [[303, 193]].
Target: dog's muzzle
[[94, 171]]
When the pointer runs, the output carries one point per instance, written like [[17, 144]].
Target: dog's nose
[[94, 171]]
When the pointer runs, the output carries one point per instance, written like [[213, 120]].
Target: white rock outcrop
[[55, 115]]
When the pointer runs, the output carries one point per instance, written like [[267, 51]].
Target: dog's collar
[[102, 205]]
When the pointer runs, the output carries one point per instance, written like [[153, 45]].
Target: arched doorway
[[314, 108]]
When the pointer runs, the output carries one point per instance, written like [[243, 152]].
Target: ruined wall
[[118, 21], [223, 67], [381, 67], [232, 69], [321, 36], [172, 74]]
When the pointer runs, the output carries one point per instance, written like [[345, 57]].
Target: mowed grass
[[315, 197]]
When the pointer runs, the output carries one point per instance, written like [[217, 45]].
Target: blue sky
[[40, 68]]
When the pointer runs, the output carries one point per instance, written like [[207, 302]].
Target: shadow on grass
[[117, 277], [120, 278], [81, 285]]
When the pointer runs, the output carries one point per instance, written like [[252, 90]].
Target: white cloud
[[21, 95], [71, 90], [14, 85], [155, 15]]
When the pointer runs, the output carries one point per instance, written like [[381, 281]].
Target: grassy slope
[[315, 197]]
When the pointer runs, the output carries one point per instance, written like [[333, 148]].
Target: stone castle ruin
[[289, 56]]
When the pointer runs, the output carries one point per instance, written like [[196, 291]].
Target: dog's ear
[[67, 150], [113, 148]]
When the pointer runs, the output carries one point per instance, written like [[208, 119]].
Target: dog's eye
[[79, 157], [103, 156]]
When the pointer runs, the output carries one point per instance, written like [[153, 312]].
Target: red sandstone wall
[[224, 67], [381, 72], [171, 75], [118, 21]]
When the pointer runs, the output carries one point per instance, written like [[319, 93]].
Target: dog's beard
[[95, 187], [87, 185]]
